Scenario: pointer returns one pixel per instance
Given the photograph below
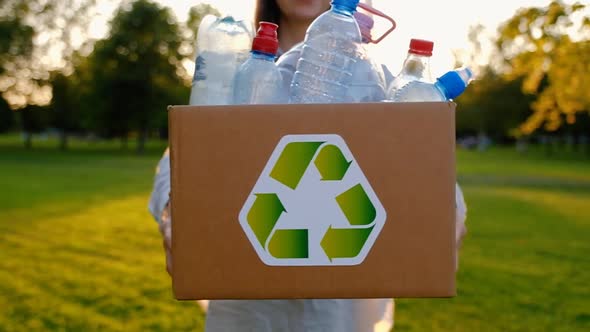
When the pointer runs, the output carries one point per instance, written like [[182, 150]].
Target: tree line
[[536, 82], [114, 87]]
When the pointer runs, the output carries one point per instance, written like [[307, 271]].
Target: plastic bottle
[[222, 46], [416, 66], [447, 87], [324, 71], [368, 78], [287, 64], [258, 80]]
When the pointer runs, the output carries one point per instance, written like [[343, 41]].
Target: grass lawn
[[79, 251]]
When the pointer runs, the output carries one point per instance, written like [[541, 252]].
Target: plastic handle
[[380, 14]]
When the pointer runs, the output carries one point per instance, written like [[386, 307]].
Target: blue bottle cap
[[453, 84], [350, 5]]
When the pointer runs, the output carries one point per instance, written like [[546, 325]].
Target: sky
[[444, 22]]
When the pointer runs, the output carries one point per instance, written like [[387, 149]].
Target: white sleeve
[[461, 211], [161, 191], [460, 216]]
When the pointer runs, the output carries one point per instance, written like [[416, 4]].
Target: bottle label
[[200, 67]]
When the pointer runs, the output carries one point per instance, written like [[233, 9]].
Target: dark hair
[[268, 11]]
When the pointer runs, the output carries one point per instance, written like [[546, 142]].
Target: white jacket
[[289, 315]]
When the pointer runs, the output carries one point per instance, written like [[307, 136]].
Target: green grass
[[79, 251], [524, 264]]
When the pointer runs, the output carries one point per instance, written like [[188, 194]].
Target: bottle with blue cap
[[330, 49], [447, 87]]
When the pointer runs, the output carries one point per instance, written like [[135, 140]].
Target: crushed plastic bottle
[[416, 66], [258, 80], [447, 87], [324, 70], [223, 45]]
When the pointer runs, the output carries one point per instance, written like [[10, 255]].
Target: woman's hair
[[268, 11]]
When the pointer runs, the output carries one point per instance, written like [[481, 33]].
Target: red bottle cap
[[421, 47], [266, 40]]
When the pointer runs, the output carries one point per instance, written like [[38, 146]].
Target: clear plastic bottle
[[447, 87], [258, 80], [368, 78], [416, 66], [223, 45], [331, 45], [287, 64]]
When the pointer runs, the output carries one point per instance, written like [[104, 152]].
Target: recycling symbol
[[312, 205]]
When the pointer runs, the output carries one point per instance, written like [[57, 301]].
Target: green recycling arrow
[[331, 163], [293, 162], [345, 242], [358, 209], [289, 243], [357, 206], [264, 214]]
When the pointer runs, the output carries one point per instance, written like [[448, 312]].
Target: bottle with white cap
[[222, 46], [416, 66], [258, 81], [447, 87]]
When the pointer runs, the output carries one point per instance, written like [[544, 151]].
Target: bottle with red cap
[[416, 66], [258, 81]]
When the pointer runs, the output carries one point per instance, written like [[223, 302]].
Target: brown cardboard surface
[[406, 151]]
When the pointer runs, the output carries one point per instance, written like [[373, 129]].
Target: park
[[81, 135]]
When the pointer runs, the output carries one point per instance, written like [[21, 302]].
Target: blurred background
[[84, 88]]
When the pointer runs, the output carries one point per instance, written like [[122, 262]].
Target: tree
[[33, 119], [16, 45], [492, 105], [29, 30], [63, 106], [16, 41], [539, 47], [6, 116], [137, 71], [195, 16]]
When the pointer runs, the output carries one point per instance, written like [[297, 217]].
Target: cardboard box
[[313, 201]]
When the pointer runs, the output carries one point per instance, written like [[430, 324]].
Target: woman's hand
[[166, 231]]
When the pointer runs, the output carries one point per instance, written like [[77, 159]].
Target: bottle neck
[[343, 9], [262, 56], [417, 66]]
